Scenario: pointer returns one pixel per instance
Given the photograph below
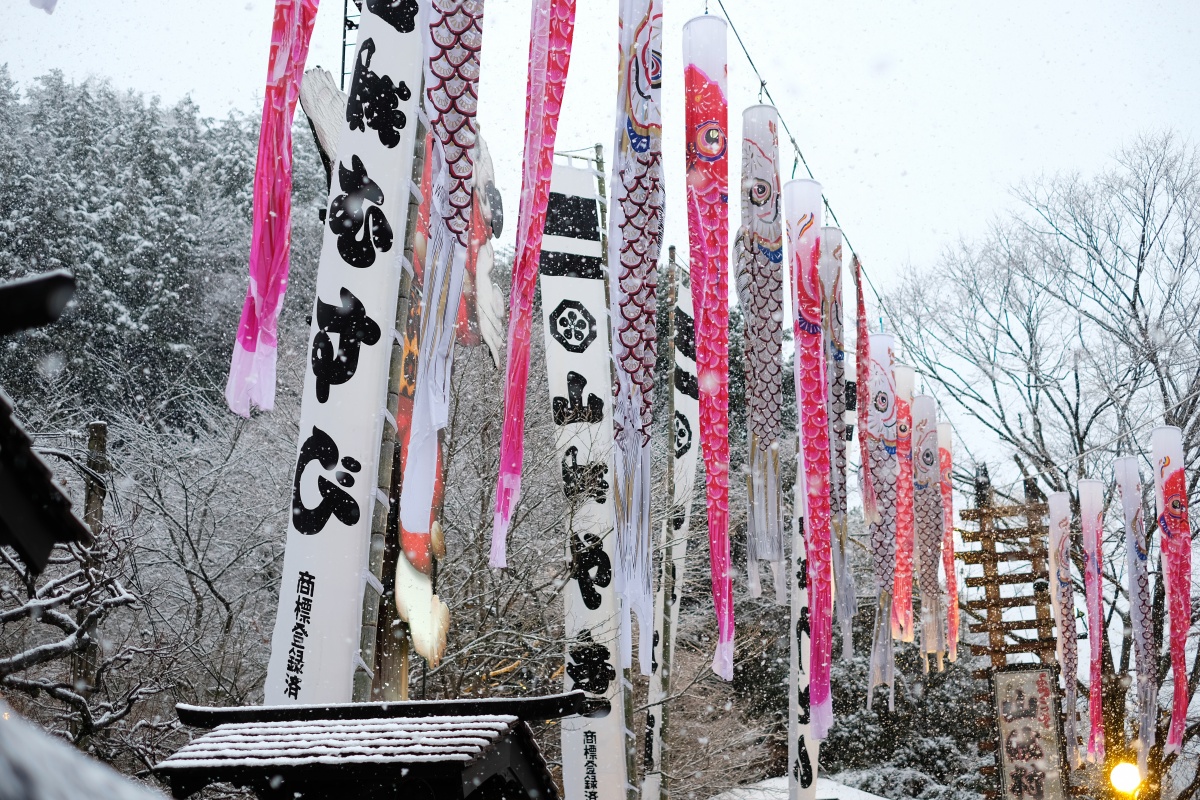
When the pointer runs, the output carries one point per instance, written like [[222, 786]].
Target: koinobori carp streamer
[[252, 371], [552, 27], [634, 241], [1170, 492], [802, 205], [758, 250]]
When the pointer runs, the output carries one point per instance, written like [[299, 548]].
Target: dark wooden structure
[[35, 515], [1007, 536], [423, 750]]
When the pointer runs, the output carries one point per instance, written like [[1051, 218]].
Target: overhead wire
[[800, 159]]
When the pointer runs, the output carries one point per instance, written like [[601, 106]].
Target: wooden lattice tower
[[1008, 535]]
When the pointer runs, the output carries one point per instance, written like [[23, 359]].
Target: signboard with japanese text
[[1030, 755], [334, 499]]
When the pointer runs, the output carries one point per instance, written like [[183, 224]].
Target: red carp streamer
[[946, 462], [1170, 489], [802, 201], [902, 592], [706, 119], [845, 601], [862, 394], [252, 371], [551, 29], [1062, 595]]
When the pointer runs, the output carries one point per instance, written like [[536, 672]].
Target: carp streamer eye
[[881, 401], [760, 192], [710, 141]]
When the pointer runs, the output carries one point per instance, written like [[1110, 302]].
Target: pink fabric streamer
[[706, 117], [946, 463], [1091, 518], [1170, 489], [252, 371], [802, 201], [862, 394], [551, 28], [902, 590]]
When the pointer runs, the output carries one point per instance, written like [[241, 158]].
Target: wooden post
[[383, 639], [82, 663], [1028, 542], [97, 463]]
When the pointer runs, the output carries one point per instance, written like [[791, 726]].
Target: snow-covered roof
[[777, 789], [362, 741], [37, 766]]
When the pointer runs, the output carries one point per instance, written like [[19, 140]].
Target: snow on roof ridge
[[375, 740]]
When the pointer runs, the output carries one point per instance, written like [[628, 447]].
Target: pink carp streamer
[[706, 120], [880, 433], [1062, 596], [758, 250], [634, 241], [946, 463], [1170, 490], [845, 599], [862, 394], [902, 593], [1091, 519], [252, 369], [551, 29], [927, 501], [1137, 553], [802, 201]]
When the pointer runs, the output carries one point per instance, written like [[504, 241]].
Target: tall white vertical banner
[[314, 649], [803, 747], [575, 316]]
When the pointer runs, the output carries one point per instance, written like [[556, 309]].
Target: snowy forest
[[149, 206]]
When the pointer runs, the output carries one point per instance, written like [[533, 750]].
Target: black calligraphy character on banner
[[678, 517], [802, 628], [572, 409], [683, 435], [1027, 781], [400, 14], [589, 667], [572, 326], [687, 384], [354, 329], [1020, 708], [648, 750], [335, 502], [348, 218], [802, 568], [375, 100], [803, 716], [1023, 749], [802, 770], [587, 554], [292, 686], [583, 479], [654, 655]]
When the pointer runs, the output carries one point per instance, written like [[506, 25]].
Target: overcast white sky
[[916, 117]]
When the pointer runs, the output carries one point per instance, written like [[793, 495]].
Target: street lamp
[[1125, 778]]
